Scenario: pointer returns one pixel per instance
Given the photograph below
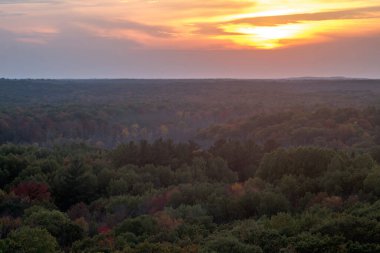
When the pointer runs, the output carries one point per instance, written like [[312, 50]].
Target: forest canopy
[[208, 166]]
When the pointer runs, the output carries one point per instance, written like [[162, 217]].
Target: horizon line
[[192, 78]]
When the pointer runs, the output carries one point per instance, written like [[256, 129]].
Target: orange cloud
[[185, 24]]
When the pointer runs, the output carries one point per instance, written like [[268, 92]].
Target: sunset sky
[[189, 38]]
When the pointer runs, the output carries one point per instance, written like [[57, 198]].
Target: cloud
[[30, 34], [119, 24], [359, 13], [29, 40], [213, 30], [29, 1], [194, 4], [189, 24], [269, 32], [10, 14]]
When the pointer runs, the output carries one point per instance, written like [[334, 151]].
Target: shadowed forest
[[188, 166]]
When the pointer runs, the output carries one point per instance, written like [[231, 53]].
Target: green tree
[[310, 243], [228, 244], [56, 222], [272, 203], [142, 226], [31, 240], [74, 184], [372, 182]]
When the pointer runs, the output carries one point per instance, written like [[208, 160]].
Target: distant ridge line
[[306, 78]]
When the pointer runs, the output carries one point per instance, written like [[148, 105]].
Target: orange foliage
[[322, 198], [333, 202], [237, 189], [158, 202], [81, 222], [190, 249], [167, 222]]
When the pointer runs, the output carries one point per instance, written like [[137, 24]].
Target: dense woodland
[[110, 112], [208, 166]]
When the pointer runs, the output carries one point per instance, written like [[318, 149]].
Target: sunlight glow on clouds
[[259, 24], [243, 37]]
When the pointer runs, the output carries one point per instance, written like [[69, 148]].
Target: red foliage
[[104, 229], [32, 191]]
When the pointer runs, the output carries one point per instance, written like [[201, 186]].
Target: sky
[[189, 38]]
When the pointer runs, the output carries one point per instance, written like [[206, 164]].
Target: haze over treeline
[[109, 112]]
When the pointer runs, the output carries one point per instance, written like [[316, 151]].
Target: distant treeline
[[334, 113]]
